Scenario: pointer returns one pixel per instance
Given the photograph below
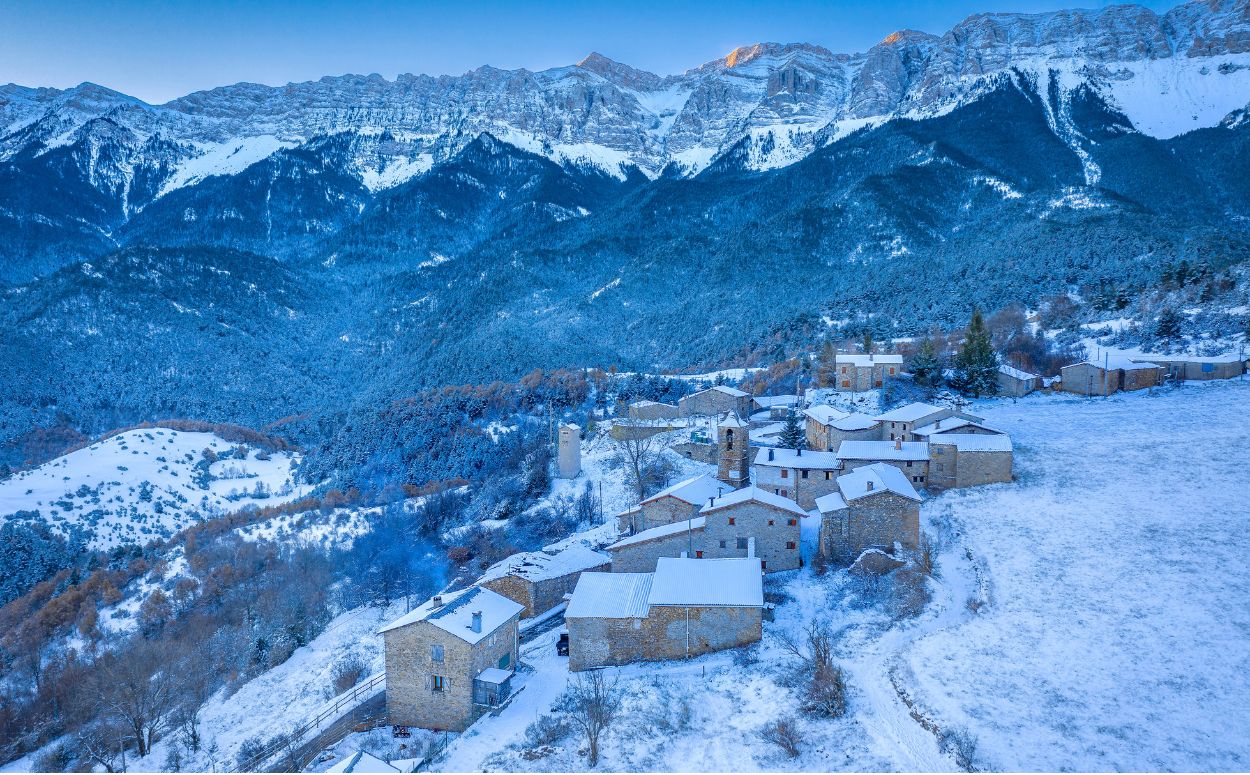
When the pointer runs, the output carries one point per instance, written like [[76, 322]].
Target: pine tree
[[827, 366], [868, 344], [792, 435], [976, 365], [1168, 327], [926, 367]]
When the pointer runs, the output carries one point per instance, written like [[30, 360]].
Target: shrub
[[783, 733], [961, 744]]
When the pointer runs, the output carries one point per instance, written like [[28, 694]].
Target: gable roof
[[909, 413], [825, 414], [870, 359], [732, 420], [610, 596], [950, 425], [684, 581], [771, 401], [789, 458], [855, 422], [882, 476], [648, 402], [541, 566], [735, 392], [662, 531], [455, 615], [362, 762], [695, 490], [753, 493], [974, 442], [883, 450], [1012, 371], [831, 502]]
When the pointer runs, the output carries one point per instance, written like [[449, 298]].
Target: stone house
[[1017, 382], [899, 423], [1138, 375], [675, 503], [540, 580], [687, 607], [827, 427], [778, 407], [714, 401], [653, 410], [969, 459], [752, 522], [865, 372], [640, 552], [910, 457], [875, 508], [451, 659], [800, 475], [953, 425]]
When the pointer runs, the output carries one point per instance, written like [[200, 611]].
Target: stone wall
[[1087, 379], [641, 557], [917, 471], [1139, 379], [666, 511], [776, 539], [538, 596], [704, 453], [410, 696], [653, 411], [602, 642], [802, 491], [826, 438], [874, 520], [662, 635], [977, 468], [713, 402]]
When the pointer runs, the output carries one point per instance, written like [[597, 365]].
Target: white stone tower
[[733, 445], [570, 451]]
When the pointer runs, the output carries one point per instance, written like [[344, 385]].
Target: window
[[723, 543], [891, 371], [922, 477], [843, 369], [731, 520], [804, 473], [505, 660], [742, 543], [909, 464], [784, 493], [763, 565], [828, 475], [792, 522], [698, 555], [846, 383], [771, 523], [785, 473], [791, 545], [436, 653], [941, 466], [729, 439], [439, 684]]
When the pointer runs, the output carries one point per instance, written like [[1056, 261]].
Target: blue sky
[[160, 51]]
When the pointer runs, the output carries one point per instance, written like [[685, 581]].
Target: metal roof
[[695, 490], [610, 596], [683, 581], [663, 531], [883, 450]]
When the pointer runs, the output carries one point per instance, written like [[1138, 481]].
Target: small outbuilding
[[1017, 382], [540, 580]]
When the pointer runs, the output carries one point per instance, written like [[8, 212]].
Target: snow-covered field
[[149, 482]]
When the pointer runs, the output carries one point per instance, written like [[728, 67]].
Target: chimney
[[869, 485], [710, 500], [898, 443], [798, 452], [937, 424], [476, 626], [770, 454], [438, 601]]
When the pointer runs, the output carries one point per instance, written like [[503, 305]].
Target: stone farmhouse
[[653, 410], [827, 427], [676, 503], [1017, 382], [865, 372], [952, 425], [687, 607], [899, 423], [451, 659], [968, 459], [714, 401], [910, 457], [539, 580], [1111, 376], [802, 476], [745, 523], [875, 507], [778, 407]]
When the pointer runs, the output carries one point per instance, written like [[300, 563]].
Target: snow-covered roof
[[631, 510], [1118, 362], [362, 762], [571, 426], [732, 420], [455, 615], [648, 402], [685, 581], [610, 596], [831, 502], [789, 458], [735, 392], [883, 450], [753, 493], [663, 531], [882, 477], [865, 359], [540, 566], [494, 675], [974, 442], [771, 401], [950, 425], [909, 413], [855, 422], [1012, 371], [825, 414], [695, 490]]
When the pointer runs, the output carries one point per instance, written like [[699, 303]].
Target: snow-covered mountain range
[[1167, 73]]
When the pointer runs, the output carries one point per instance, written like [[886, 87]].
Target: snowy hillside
[[148, 483]]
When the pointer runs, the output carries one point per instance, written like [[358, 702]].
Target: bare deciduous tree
[[592, 703], [137, 687], [636, 450], [825, 692]]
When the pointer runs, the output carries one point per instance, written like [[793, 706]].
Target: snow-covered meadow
[[148, 483]]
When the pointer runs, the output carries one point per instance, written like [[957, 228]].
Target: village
[[682, 572]]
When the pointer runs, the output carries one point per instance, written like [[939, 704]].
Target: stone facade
[[877, 520], [570, 452], [1200, 369], [714, 401], [412, 698], [667, 632], [865, 372], [801, 485], [828, 437], [966, 468], [917, 471], [538, 596], [642, 556], [733, 446], [1140, 378], [1017, 383], [775, 534], [653, 410]]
